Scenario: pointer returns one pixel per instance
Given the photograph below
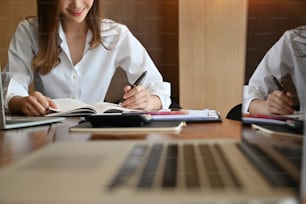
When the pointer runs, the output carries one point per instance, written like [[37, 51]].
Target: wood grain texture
[[11, 12], [211, 53]]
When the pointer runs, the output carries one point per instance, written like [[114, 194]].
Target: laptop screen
[[264, 30], [303, 173]]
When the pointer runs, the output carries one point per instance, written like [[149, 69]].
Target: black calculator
[[118, 120]]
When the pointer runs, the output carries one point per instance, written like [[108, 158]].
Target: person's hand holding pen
[[280, 101], [137, 96]]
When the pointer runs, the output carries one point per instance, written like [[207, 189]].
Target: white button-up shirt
[[89, 79], [287, 55]]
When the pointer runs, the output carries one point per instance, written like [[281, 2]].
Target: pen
[[281, 88], [136, 83], [139, 79], [278, 84]]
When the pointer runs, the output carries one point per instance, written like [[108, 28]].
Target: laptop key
[[210, 165], [191, 169], [294, 155], [170, 172], [231, 180], [266, 166], [129, 167], [149, 173]]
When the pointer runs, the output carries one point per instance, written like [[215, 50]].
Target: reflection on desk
[[17, 143]]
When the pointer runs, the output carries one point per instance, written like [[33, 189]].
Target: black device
[[119, 120]]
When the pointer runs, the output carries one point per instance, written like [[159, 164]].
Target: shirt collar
[[300, 34], [299, 41], [108, 28], [62, 37]]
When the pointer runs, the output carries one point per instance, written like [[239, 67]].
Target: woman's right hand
[[279, 102], [35, 104]]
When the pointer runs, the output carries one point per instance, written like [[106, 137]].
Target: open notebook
[[9, 122]]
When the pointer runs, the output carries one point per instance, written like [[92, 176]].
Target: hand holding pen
[[128, 89], [280, 101], [280, 86]]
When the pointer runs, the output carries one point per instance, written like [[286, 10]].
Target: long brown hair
[[48, 22]]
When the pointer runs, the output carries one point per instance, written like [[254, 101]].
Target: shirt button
[[74, 76]]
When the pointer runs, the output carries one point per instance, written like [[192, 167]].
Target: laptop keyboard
[[293, 155], [172, 165], [270, 165]]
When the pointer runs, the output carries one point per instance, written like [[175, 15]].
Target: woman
[[70, 51], [287, 57]]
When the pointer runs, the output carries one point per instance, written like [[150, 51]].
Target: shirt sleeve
[[278, 62], [20, 55], [134, 59]]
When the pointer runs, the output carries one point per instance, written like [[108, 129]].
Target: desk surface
[[17, 143]]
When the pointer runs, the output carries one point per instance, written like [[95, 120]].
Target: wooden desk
[[17, 143]]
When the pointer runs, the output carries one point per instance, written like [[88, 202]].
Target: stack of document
[[270, 119], [296, 133], [280, 125], [205, 115]]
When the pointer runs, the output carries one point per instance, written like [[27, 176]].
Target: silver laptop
[[9, 122], [170, 172], [303, 175], [212, 171]]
